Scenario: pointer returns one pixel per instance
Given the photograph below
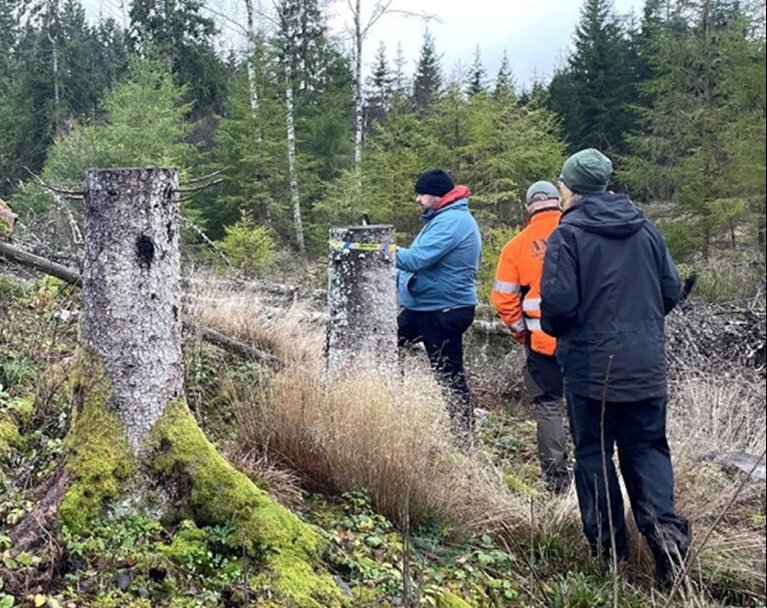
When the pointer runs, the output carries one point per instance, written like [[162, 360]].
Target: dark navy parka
[[608, 281]]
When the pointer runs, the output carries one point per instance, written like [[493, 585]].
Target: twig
[[537, 589], [70, 193], [407, 593], [603, 448], [693, 555], [77, 236], [204, 237], [202, 187], [203, 178]]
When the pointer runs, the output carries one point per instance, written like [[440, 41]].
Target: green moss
[[9, 436], [448, 599], [22, 408], [218, 494], [99, 458], [517, 484]]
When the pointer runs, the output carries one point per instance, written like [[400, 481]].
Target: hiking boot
[[668, 568], [558, 484]]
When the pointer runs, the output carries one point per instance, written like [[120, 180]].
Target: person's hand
[[519, 336]]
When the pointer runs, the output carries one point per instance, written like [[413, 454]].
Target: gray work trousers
[[543, 381]]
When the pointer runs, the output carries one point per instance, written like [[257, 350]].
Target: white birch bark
[[295, 199], [52, 13]]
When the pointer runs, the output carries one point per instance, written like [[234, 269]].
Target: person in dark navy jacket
[[608, 282]]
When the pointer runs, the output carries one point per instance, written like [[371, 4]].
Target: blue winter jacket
[[608, 281], [439, 269]]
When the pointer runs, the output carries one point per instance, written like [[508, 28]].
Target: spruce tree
[[380, 88], [505, 87], [707, 93], [477, 75], [595, 91], [177, 33], [427, 83]]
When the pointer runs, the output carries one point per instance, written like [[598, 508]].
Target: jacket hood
[[456, 198], [611, 215]]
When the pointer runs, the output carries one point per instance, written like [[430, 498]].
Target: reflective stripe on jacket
[[516, 294]]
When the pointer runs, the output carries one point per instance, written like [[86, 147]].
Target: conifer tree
[[179, 34], [380, 88], [477, 75], [505, 87], [594, 93], [427, 83], [704, 69]]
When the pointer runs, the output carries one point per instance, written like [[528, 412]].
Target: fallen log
[[24, 258], [72, 277]]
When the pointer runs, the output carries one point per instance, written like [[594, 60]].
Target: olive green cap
[[587, 172]]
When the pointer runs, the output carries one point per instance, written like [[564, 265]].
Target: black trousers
[[638, 429], [441, 332]]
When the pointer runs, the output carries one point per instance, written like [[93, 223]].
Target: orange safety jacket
[[516, 294]]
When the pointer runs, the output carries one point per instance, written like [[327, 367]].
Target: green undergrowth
[[232, 544]]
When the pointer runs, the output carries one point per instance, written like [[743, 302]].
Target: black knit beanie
[[434, 181]]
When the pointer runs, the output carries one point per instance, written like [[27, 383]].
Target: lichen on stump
[[362, 299]]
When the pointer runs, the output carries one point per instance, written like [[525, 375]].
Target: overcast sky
[[536, 34]]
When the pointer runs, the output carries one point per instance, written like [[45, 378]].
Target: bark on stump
[[362, 299], [131, 293]]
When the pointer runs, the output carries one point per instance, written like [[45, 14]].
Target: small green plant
[[248, 246]]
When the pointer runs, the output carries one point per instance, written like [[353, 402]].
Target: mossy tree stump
[[362, 299], [131, 318], [134, 447]]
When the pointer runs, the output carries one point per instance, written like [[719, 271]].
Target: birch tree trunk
[[251, 68], [295, 198], [131, 294], [53, 10], [358, 117], [362, 299]]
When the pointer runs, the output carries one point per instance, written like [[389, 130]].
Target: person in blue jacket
[[608, 282], [436, 286]]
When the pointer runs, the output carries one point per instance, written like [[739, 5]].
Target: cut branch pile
[[716, 336]]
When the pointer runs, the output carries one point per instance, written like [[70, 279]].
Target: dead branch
[[72, 277], [24, 258]]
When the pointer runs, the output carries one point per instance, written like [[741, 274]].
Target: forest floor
[[407, 517]]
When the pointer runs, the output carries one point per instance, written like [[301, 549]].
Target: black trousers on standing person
[[441, 332], [638, 428]]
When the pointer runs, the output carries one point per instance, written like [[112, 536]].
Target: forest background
[[275, 146], [302, 140]]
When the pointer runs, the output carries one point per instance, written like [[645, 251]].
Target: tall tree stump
[[131, 294], [362, 299], [134, 447]]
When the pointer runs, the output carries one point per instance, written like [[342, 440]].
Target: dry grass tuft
[[281, 482], [292, 333], [719, 413], [389, 437]]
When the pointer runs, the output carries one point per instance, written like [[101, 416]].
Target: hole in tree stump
[[144, 251]]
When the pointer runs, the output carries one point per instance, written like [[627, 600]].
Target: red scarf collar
[[455, 194]]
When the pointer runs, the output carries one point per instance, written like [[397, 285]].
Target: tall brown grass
[[717, 412], [375, 431], [387, 432]]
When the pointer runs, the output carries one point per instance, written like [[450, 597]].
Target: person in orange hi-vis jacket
[[517, 298]]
